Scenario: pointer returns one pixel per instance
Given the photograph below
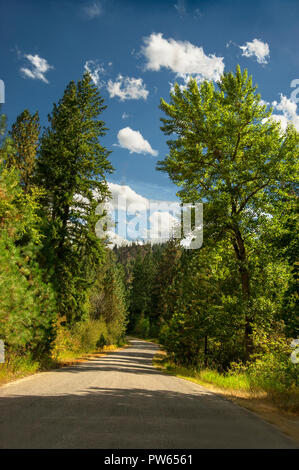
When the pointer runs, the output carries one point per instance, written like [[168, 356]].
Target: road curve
[[120, 401]]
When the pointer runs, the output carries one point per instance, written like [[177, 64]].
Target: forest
[[228, 309]]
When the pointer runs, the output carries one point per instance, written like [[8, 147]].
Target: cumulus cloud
[[181, 57], [92, 10], [256, 48], [38, 68], [127, 88], [95, 69], [134, 141], [289, 112], [154, 221], [125, 115], [116, 240], [162, 225], [123, 195]]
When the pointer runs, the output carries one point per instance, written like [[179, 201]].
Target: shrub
[[142, 326], [82, 337]]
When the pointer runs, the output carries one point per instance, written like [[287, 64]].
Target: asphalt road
[[120, 401]]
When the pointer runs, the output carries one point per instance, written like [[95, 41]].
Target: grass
[[19, 367], [150, 339], [236, 383], [232, 385], [282, 412]]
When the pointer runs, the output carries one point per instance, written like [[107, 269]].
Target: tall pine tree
[[72, 170], [25, 134]]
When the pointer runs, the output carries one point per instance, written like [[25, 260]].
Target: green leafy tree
[[167, 261], [228, 153]]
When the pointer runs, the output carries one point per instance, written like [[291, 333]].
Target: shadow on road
[[125, 361], [110, 412], [130, 418]]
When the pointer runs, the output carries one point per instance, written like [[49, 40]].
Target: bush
[[274, 372], [82, 337], [101, 342], [182, 339], [142, 326], [27, 307]]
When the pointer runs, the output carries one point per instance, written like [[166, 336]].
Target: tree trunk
[[240, 252], [206, 351]]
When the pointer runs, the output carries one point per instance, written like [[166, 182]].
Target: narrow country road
[[121, 401]]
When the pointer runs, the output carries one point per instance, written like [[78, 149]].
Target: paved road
[[122, 401]]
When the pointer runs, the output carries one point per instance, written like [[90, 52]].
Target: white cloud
[[95, 69], [125, 115], [289, 112], [286, 106], [134, 141], [162, 225], [39, 67], [116, 240], [153, 221], [92, 10], [256, 48], [127, 88], [123, 195], [181, 57]]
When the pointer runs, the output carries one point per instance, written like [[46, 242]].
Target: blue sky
[[135, 50]]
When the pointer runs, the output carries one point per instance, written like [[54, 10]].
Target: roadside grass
[[150, 339], [237, 385], [18, 367], [281, 410]]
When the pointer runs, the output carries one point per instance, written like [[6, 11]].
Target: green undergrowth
[[240, 384]]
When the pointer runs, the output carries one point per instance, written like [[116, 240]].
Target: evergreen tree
[[72, 170], [108, 300], [25, 136], [27, 307]]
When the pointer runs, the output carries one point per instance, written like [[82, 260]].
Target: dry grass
[[23, 367]]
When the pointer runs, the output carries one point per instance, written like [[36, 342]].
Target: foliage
[[108, 299], [228, 152], [71, 170], [27, 307], [25, 136], [82, 337]]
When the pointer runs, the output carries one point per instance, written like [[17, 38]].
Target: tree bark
[[206, 351], [240, 252]]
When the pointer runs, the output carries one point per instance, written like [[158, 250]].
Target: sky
[[135, 51]]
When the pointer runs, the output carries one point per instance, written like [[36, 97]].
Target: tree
[[108, 298], [167, 260], [226, 151], [144, 271], [72, 170], [27, 307], [25, 136]]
